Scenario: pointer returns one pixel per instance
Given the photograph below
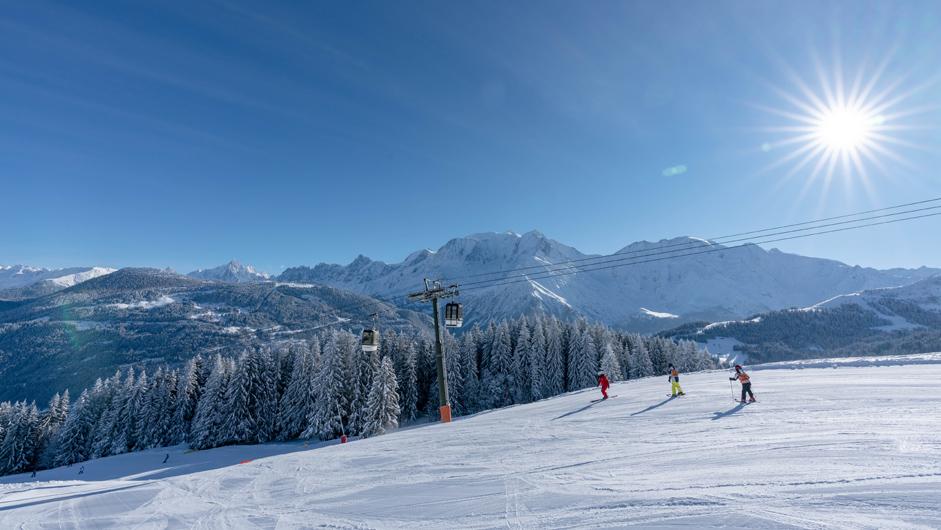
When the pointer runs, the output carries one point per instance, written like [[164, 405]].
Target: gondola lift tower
[[454, 318]]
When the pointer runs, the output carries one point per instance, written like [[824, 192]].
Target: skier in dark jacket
[[604, 384], [746, 383]]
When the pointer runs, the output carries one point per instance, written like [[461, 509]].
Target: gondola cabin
[[453, 315], [370, 340]]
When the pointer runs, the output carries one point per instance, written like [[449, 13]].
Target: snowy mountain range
[[231, 272], [146, 317], [899, 320], [645, 286], [57, 330], [21, 281], [657, 291]]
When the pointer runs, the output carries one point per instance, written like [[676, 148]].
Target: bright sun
[[845, 128], [841, 127]]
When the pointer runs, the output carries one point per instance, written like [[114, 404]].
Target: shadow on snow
[[733, 410], [576, 411], [648, 409]]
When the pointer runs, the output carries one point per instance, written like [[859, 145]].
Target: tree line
[[327, 386]]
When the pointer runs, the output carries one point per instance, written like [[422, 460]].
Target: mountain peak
[[231, 272]]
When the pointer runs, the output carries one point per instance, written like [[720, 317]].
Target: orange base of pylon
[[445, 411]]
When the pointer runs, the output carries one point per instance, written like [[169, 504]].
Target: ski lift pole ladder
[[433, 291]]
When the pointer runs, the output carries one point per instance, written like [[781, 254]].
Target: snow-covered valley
[[830, 444]]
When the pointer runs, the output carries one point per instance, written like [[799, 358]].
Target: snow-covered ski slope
[[843, 447]]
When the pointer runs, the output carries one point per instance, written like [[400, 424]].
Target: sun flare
[[845, 128], [841, 127]]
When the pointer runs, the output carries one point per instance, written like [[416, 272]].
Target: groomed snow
[[851, 447]]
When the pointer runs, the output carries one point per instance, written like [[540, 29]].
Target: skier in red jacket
[[604, 384]]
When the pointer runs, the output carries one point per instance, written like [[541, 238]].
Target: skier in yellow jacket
[[675, 382]]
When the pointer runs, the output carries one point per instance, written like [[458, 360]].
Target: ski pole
[[732, 390]]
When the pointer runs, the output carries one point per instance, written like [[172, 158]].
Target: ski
[[602, 399]]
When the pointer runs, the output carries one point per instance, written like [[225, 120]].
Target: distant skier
[[675, 382], [746, 383], [81, 471], [166, 458], [604, 384]]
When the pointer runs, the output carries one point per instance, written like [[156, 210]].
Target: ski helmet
[[600, 373], [738, 368]]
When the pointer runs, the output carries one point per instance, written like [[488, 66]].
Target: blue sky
[[184, 134]]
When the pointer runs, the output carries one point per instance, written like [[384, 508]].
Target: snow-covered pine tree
[[111, 401], [572, 355], [241, 421], [521, 374], [426, 373], [454, 363], [131, 401], [50, 422], [6, 414], [625, 357], [657, 348], [470, 370], [586, 360], [206, 430], [555, 358], [149, 412], [326, 416], [610, 365], [72, 440], [18, 449], [158, 414], [499, 389], [537, 362], [315, 361], [485, 344], [191, 386], [268, 395], [408, 379], [296, 403], [383, 404], [640, 360], [364, 367]]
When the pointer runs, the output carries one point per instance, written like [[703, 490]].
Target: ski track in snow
[[853, 447]]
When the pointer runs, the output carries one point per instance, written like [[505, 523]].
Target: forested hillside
[[326, 386], [146, 318], [895, 321]]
